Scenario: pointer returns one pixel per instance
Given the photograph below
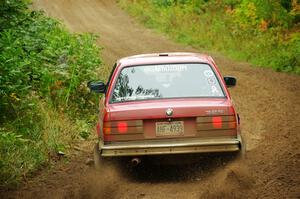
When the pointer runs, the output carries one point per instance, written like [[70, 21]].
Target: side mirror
[[230, 81], [97, 87]]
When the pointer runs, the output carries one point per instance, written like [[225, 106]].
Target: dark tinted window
[[166, 81]]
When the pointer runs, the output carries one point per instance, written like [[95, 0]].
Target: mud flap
[[242, 152], [99, 161]]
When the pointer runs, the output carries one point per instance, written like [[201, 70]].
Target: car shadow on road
[[178, 168]]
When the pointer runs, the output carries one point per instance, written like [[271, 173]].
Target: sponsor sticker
[[165, 68]]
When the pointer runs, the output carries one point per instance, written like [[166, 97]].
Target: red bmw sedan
[[168, 103]]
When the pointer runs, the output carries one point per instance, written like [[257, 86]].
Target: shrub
[[44, 103], [262, 32]]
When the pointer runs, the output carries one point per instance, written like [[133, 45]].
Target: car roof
[[161, 58]]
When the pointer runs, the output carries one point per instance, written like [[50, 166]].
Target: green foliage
[[43, 73], [287, 4], [18, 156], [263, 32], [252, 12], [11, 12], [39, 55]]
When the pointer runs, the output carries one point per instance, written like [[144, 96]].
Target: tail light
[[123, 127], [216, 123]]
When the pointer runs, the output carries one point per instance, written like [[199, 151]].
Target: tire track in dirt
[[268, 102]]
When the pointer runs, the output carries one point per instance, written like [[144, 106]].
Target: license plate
[[169, 128]]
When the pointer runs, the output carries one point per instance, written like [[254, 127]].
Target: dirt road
[[268, 102]]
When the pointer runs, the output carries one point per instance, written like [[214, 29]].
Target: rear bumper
[[160, 147]]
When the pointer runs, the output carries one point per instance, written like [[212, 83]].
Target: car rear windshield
[[166, 81]]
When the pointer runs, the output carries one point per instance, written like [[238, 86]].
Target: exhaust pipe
[[135, 161]]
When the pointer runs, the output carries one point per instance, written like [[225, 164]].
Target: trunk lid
[[191, 117], [156, 109]]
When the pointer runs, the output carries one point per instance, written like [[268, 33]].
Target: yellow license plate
[[169, 128]]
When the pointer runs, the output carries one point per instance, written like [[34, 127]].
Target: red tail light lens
[[232, 125], [217, 122], [106, 130], [122, 127]]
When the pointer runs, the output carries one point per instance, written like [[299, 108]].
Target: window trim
[[110, 76]]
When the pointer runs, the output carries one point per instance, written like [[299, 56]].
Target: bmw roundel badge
[[169, 112]]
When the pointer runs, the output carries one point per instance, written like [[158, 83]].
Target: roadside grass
[[60, 130], [51, 132], [45, 105], [238, 29]]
